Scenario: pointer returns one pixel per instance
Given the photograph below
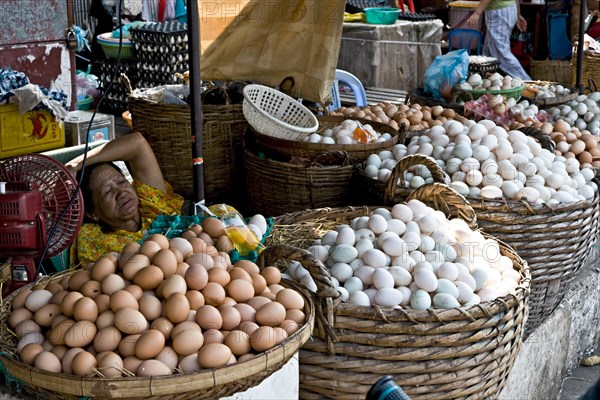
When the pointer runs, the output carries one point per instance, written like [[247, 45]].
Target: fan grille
[[57, 186]]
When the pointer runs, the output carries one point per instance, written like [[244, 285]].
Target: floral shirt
[[92, 242]]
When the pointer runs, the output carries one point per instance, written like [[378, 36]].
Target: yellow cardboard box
[[31, 132]]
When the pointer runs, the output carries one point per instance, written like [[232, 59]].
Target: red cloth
[[162, 7], [594, 30]]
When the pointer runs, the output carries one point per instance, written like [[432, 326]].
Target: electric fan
[[34, 192]]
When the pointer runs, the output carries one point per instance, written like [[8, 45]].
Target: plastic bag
[[243, 238], [444, 73]]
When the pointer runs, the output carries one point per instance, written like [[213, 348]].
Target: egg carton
[[169, 32], [169, 57], [151, 66], [151, 83], [415, 17], [151, 49]]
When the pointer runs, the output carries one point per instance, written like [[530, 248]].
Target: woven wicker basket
[[277, 187], [357, 152], [168, 130], [555, 241], [551, 101], [432, 354], [552, 70], [590, 67], [206, 384]]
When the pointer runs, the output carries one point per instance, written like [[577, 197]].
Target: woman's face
[[115, 201]]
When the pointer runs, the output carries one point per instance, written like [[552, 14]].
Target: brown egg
[[68, 303], [46, 314], [178, 254], [78, 279], [275, 288], [58, 319], [196, 276], [221, 262], [152, 368], [135, 290], [57, 335], [26, 326], [195, 298], [258, 301], [263, 338], [135, 264], [296, 316], [224, 243], [238, 342], [570, 136], [162, 240], [248, 327], [110, 365], [112, 283], [131, 363], [569, 154], [198, 245], [166, 260], [174, 284], [231, 317], [196, 228], [102, 302], [258, 282], [129, 250], [91, 289], [127, 345], [105, 319], [58, 297], [241, 290], [184, 326], [54, 287], [85, 309], [19, 300], [47, 361], [213, 226], [29, 352], [201, 258], [577, 147], [103, 267], [149, 344], [149, 248], [290, 299], [271, 314], [80, 334], [211, 250], [107, 339], [163, 325], [130, 321], [289, 326], [177, 308], [585, 157], [206, 238], [150, 307], [213, 336], [209, 317], [18, 315], [59, 351], [183, 245], [271, 275], [83, 363], [149, 277], [189, 364], [280, 334], [188, 235], [214, 294], [188, 342], [239, 273], [229, 302], [220, 276], [182, 268], [214, 355], [247, 312], [267, 293], [169, 357]]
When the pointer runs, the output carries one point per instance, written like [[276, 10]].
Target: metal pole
[[582, 16], [195, 103]]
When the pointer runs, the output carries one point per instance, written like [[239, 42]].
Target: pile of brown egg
[[162, 307]]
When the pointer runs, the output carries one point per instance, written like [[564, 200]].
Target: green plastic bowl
[[381, 15]]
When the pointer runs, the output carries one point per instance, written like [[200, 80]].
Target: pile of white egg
[[411, 256], [495, 81], [484, 160], [349, 132], [548, 91], [582, 113]]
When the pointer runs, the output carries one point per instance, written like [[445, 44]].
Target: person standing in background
[[501, 16]]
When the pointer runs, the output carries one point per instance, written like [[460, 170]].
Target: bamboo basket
[[277, 187], [168, 129], [356, 152], [206, 384], [590, 67], [551, 70], [433, 354], [555, 241]]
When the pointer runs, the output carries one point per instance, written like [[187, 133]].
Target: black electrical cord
[[40, 268]]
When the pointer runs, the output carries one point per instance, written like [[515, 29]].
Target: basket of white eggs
[[357, 137], [546, 94], [543, 205], [476, 86], [423, 296]]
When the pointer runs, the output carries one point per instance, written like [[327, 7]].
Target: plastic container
[[84, 104], [381, 15]]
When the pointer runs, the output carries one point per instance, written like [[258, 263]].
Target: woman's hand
[[74, 166], [473, 20], [521, 24]]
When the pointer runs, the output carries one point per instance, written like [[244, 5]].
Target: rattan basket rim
[[138, 387]]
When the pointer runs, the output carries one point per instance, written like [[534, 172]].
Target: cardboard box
[[77, 124], [31, 132]]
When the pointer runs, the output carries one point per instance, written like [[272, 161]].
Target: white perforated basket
[[274, 113]]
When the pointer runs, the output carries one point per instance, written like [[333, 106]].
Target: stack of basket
[[431, 354], [285, 173]]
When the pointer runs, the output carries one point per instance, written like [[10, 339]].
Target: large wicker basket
[[555, 241], [356, 152], [278, 187], [206, 384], [168, 129], [433, 354], [590, 68]]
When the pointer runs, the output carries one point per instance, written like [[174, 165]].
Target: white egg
[[346, 235], [343, 293], [309, 282], [404, 261], [341, 271], [377, 223], [447, 270], [412, 240], [480, 275], [401, 276], [487, 294], [425, 279], [365, 233], [359, 298], [382, 279], [402, 212], [320, 252], [465, 292], [420, 300], [394, 246], [491, 192], [381, 238], [460, 187], [388, 297], [396, 226], [353, 284], [445, 300], [343, 253], [362, 246], [260, 222], [329, 237], [327, 140], [375, 258], [314, 138]]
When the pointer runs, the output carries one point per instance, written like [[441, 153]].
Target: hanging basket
[[432, 354], [211, 383]]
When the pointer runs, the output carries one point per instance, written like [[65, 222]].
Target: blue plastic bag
[[444, 73]]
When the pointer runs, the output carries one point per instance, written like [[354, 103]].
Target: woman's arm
[[521, 22], [473, 20], [132, 148]]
